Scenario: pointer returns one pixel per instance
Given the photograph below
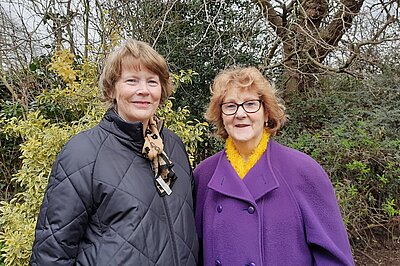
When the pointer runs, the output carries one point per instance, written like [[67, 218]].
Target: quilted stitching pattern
[[101, 206]]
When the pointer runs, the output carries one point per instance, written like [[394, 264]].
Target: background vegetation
[[335, 62]]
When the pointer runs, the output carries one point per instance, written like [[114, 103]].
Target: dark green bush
[[9, 150], [352, 128]]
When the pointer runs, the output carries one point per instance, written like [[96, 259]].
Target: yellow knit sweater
[[241, 166]]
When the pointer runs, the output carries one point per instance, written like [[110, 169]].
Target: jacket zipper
[[171, 231]]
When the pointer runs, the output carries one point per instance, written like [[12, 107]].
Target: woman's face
[[245, 129], [137, 93]]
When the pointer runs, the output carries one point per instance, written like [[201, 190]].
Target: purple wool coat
[[284, 212]]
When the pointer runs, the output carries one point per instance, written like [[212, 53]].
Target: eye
[[153, 82], [251, 104], [230, 105], [132, 80]]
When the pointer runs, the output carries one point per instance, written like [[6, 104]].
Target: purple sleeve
[[324, 228]]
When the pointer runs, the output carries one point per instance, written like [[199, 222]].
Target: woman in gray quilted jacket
[[121, 192]]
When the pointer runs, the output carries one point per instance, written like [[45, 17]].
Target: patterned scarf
[[153, 148]]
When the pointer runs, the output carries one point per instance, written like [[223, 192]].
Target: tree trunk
[[306, 43]]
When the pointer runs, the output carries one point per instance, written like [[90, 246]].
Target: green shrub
[[1, 257], [9, 152], [351, 128]]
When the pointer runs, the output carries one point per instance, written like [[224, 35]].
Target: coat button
[[218, 262], [251, 211], [219, 208]]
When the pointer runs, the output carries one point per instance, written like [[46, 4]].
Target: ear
[[266, 118]]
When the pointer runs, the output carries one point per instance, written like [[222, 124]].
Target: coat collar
[[259, 181], [132, 132]]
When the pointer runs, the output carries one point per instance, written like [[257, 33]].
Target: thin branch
[[211, 24], [355, 49], [163, 22], [327, 68], [272, 51], [272, 16], [342, 21]]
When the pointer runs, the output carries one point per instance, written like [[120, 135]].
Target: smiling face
[[244, 128], [137, 94]]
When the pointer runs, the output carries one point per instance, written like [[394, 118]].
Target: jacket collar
[[259, 181], [132, 132], [118, 126]]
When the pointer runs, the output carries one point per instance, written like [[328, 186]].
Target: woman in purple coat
[[259, 202]]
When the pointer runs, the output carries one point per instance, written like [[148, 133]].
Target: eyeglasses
[[251, 106]]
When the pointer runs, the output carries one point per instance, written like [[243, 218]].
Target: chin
[[241, 139]]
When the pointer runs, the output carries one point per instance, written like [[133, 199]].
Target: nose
[[241, 112], [143, 88]]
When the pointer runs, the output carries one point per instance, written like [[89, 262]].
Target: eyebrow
[[134, 75], [229, 100]]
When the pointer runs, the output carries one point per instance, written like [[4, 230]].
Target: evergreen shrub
[[351, 128]]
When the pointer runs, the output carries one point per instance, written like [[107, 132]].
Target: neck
[[246, 148]]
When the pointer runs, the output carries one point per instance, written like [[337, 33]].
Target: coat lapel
[[226, 181], [261, 179]]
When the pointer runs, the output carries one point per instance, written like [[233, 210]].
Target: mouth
[[241, 125], [141, 103]]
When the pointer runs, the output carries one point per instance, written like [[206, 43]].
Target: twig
[[368, 256]]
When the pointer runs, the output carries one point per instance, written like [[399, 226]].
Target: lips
[[241, 125], [141, 103]]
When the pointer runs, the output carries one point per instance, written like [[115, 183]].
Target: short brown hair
[[245, 78], [137, 54]]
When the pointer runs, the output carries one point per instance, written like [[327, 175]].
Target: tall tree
[[309, 31]]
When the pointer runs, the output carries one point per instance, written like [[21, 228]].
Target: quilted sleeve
[[63, 216], [325, 231]]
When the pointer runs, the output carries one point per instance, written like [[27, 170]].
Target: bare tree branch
[[163, 22], [271, 15]]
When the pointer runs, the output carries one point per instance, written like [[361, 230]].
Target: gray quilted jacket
[[101, 206]]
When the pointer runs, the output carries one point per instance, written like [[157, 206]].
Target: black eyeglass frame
[[242, 105]]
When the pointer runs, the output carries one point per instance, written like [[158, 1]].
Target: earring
[[266, 123]]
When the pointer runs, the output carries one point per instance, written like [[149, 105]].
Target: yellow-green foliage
[[18, 217], [62, 64], [80, 95], [189, 131], [43, 138]]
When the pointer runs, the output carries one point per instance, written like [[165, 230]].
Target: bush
[[352, 128], [9, 153], [56, 116]]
